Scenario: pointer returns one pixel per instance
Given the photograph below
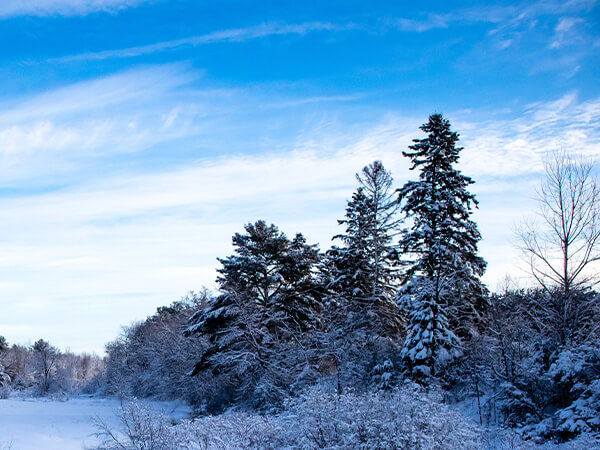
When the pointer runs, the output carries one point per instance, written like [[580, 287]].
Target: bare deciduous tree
[[563, 244], [45, 359]]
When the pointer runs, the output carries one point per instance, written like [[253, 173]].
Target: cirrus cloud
[[10, 8]]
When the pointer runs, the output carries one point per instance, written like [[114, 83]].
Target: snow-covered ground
[[34, 424]]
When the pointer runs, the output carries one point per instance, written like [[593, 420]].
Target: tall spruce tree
[[443, 293], [363, 274]]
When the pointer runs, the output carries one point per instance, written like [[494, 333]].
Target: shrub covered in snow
[[142, 428], [402, 418], [406, 417], [579, 370]]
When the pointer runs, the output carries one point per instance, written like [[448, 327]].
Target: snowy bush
[[5, 391], [232, 430], [142, 428], [406, 417], [579, 369], [402, 418]]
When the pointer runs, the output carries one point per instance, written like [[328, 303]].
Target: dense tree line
[[398, 296], [403, 274]]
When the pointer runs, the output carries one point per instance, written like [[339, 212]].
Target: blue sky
[[137, 136]]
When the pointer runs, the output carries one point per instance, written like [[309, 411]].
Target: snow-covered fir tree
[[443, 294], [430, 344]]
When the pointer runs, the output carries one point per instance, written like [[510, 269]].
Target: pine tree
[[274, 271], [268, 300], [363, 273], [442, 290], [382, 224]]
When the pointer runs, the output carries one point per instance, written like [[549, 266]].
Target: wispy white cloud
[[510, 23], [432, 21], [566, 32], [10, 8], [100, 93], [505, 15], [314, 99], [231, 35], [516, 145], [126, 112]]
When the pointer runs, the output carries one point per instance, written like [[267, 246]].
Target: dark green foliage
[[274, 271], [269, 301], [442, 238], [442, 293]]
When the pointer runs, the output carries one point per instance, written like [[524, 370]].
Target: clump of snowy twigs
[[406, 417], [402, 418], [141, 428]]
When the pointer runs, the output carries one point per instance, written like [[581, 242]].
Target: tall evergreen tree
[[363, 274], [443, 293]]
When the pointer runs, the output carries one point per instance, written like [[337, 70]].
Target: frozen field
[[34, 424]]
